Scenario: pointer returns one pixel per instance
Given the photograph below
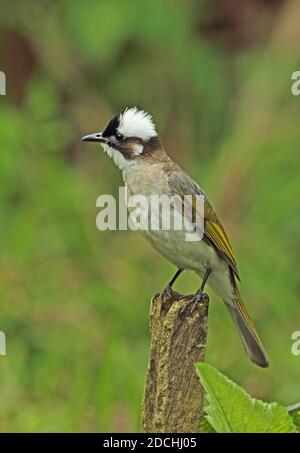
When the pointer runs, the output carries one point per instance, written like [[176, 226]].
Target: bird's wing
[[181, 184]]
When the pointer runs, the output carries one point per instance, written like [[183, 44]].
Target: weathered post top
[[173, 397]]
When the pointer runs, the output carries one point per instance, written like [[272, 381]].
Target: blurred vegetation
[[75, 301]]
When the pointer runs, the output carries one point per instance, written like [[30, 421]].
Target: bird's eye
[[119, 136]]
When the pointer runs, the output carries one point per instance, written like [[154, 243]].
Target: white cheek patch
[[137, 149]]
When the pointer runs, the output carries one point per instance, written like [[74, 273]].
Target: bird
[[132, 141]]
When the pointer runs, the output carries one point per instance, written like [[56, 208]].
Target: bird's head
[[128, 137]]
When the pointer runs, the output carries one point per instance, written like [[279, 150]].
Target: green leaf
[[231, 410], [205, 426], [294, 412]]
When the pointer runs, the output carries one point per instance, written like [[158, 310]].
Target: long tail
[[249, 336]]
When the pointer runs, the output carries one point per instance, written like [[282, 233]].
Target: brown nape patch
[[128, 147], [152, 149]]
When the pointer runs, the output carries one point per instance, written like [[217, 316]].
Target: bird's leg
[[168, 288], [173, 280], [205, 278], [198, 296]]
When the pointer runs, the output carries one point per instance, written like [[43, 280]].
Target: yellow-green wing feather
[[181, 184], [215, 232]]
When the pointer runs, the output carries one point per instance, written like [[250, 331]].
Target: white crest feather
[[137, 123]]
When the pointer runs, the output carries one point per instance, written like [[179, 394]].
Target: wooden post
[[173, 397]]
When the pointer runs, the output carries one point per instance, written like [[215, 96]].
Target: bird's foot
[[193, 302], [167, 291]]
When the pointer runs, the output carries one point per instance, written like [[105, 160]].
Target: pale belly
[[196, 256], [172, 245], [191, 255]]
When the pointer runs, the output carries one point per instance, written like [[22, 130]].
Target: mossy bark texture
[[173, 397]]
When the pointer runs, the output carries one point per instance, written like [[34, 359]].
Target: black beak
[[97, 137]]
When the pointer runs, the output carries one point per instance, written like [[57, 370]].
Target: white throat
[[118, 158]]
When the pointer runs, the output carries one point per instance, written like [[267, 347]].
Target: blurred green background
[[74, 301]]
